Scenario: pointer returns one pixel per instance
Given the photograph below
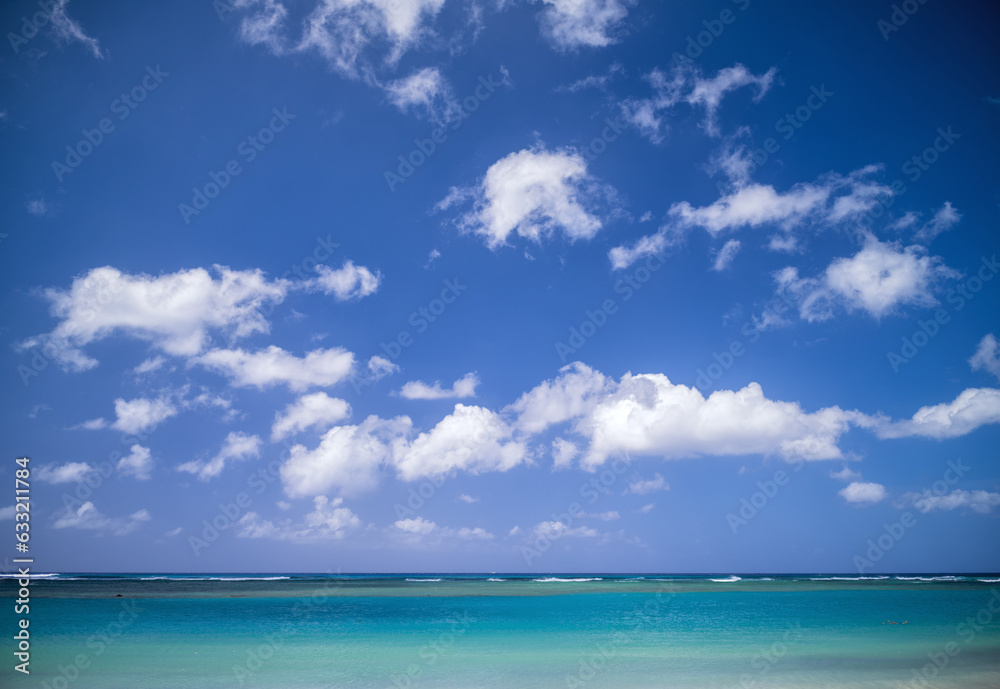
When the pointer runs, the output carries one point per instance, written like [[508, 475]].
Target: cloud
[[594, 81], [88, 517], [726, 254], [471, 439], [554, 530], [426, 92], [987, 356], [535, 193], [174, 312], [685, 83], [348, 458], [347, 282], [416, 525], [69, 30], [237, 446], [149, 365], [879, 279], [341, 32], [90, 425], [318, 411], [979, 501], [609, 516], [845, 474], [572, 24], [173, 533], [468, 499], [973, 408], [138, 463], [944, 219], [574, 392], [646, 509], [37, 207], [8, 512], [141, 415], [329, 519], [460, 389], [831, 201], [274, 366], [380, 367], [647, 486], [70, 472], [863, 493], [563, 452]]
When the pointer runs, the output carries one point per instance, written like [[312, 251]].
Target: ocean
[[599, 631]]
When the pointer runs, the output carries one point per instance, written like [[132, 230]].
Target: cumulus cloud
[[90, 518], [318, 411], [571, 24], [347, 282], [845, 474], [973, 408], [138, 463], [533, 192], [274, 366], [71, 472], [174, 312], [987, 356], [563, 452], [237, 446], [575, 391], [149, 365], [979, 501], [468, 499], [554, 530], [863, 493], [142, 415], [329, 519], [416, 525], [460, 389]]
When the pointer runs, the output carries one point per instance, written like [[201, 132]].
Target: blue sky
[[607, 285]]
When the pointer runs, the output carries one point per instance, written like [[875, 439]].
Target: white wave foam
[[728, 580], [423, 580], [574, 580]]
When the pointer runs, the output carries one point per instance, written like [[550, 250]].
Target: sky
[[453, 286]]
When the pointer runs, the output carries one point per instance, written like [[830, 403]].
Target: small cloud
[[987, 356], [609, 516], [863, 493], [515, 531], [90, 425], [88, 517], [644, 487], [460, 389], [845, 474], [431, 257], [35, 410], [380, 367], [70, 472], [37, 207], [416, 525], [726, 254], [138, 463], [468, 499], [149, 365], [173, 532], [646, 509], [979, 501], [237, 446]]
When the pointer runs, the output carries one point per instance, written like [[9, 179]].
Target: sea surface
[[500, 631]]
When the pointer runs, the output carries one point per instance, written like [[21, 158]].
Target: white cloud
[[138, 463], [69, 30], [89, 517], [237, 446], [563, 452], [608, 516], [554, 530], [90, 425], [574, 392], [347, 282], [328, 520], [149, 365], [573, 24], [427, 92], [416, 525], [275, 366], [973, 408], [477, 533], [460, 389], [317, 411], [470, 439], [987, 356], [63, 473], [646, 509], [944, 219], [141, 415], [685, 83], [37, 207], [726, 254], [979, 501], [174, 312], [380, 367], [348, 458], [533, 192], [468, 499], [173, 533], [647, 486], [863, 493], [845, 474]]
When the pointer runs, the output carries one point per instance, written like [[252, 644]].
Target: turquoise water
[[441, 631]]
